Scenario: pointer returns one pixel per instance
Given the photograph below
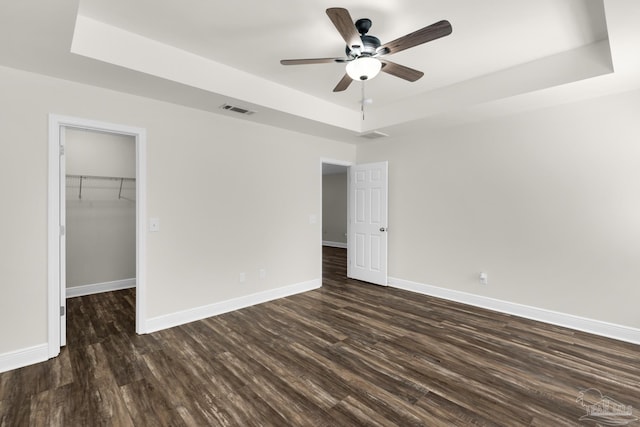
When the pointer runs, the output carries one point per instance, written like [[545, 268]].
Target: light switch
[[154, 224], [484, 278], [313, 219]]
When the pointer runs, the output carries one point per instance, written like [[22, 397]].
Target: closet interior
[[100, 195]]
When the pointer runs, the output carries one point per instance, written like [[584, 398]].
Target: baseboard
[[24, 357], [96, 288], [334, 244], [597, 327], [180, 318]]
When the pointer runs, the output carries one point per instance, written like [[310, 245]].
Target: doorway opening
[[366, 212], [98, 210], [335, 216], [105, 179]]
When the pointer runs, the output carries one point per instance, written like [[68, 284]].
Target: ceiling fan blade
[[345, 26], [343, 84], [426, 34], [311, 61], [401, 71]]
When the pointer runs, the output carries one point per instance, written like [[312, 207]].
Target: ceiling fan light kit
[[364, 52], [364, 68]]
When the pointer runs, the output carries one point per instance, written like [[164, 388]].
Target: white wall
[[99, 153], [100, 222], [548, 203], [334, 208], [232, 197]]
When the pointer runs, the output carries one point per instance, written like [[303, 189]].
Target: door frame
[[55, 179], [348, 165]]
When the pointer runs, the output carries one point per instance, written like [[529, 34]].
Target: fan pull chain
[[362, 101]]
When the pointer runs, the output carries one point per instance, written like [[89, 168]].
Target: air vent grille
[[235, 109], [374, 135]]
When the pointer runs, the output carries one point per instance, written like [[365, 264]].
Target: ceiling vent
[[235, 109], [373, 135]]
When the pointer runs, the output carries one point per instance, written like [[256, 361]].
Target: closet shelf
[[111, 178]]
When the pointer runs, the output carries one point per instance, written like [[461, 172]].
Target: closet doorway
[[96, 215], [99, 213], [335, 214]]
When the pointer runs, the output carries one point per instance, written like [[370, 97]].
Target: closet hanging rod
[[113, 178]]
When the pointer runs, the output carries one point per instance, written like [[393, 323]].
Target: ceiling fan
[[365, 53]]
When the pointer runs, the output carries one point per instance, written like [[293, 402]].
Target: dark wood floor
[[347, 354]]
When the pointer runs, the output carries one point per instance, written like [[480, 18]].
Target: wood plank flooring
[[348, 354]]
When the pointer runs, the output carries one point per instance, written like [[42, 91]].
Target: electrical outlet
[[243, 277], [262, 273], [154, 224]]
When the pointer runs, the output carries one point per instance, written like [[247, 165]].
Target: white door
[[368, 223], [63, 242]]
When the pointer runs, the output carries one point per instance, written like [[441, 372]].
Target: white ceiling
[[203, 53], [488, 36]]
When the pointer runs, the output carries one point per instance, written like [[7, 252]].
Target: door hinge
[[62, 150], [61, 310], [62, 230]]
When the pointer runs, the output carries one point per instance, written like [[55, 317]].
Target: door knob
[[382, 229]]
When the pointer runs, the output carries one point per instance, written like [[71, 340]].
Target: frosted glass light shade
[[364, 68]]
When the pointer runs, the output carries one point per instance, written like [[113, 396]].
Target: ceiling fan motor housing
[[370, 44]]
